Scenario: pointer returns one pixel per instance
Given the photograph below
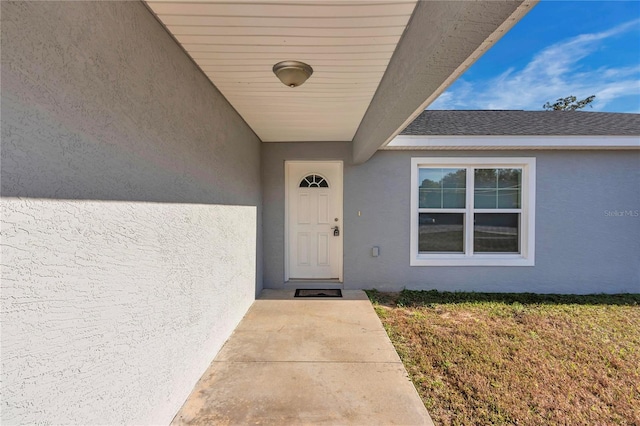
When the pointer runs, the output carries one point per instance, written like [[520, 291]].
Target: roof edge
[[598, 142]]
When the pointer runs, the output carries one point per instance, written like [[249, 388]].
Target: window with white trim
[[472, 211]]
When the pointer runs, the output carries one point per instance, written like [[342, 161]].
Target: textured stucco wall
[[581, 246], [131, 216]]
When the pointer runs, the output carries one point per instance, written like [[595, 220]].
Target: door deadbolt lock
[[336, 231]]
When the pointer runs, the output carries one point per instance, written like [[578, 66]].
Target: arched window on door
[[314, 181]]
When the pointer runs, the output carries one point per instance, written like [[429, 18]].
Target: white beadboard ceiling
[[236, 43]]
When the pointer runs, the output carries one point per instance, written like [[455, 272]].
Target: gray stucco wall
[[581, 246], [131, 216]]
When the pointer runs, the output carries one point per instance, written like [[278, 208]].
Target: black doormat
[[318, 292]]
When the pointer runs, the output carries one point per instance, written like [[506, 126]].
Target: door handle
[[336, 231]]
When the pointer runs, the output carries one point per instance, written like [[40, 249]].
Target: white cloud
[[554, 72]]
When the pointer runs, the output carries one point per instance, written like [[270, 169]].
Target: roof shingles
[[523, 123]]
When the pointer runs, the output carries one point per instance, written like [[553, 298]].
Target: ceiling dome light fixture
[[292, 73]]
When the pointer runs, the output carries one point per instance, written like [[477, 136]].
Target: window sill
[[515, 260]]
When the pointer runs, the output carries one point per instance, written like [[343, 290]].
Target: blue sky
[[558, 49]]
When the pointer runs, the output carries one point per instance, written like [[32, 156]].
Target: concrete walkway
[[297, 361]]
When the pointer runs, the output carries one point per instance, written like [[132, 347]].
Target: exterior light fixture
[[292, 73]]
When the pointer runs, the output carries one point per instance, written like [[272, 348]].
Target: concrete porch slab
[[306, 361]]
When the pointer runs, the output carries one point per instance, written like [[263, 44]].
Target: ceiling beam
[[442, 40]]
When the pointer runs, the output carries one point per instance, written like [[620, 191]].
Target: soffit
[[348, 43]]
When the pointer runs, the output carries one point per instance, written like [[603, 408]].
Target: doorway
[[313, 220]]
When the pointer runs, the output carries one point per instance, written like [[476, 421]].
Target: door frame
[[339, 190]]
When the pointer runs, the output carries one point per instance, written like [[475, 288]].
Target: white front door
[[314, 220]]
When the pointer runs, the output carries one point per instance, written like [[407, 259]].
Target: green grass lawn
[[493, 358]]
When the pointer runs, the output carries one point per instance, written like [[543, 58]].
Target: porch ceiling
[[349, 44]]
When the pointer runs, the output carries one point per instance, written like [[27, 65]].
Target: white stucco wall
[[112, 310], [130, 216]]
